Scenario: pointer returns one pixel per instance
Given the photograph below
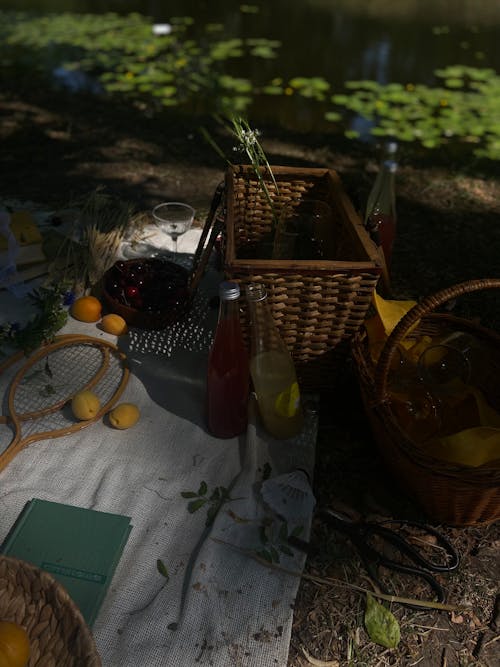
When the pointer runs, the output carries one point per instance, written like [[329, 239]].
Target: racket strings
[[56, 377], [42, 399], [38, 394]]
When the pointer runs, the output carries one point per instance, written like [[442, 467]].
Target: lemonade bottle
[[272, 370]]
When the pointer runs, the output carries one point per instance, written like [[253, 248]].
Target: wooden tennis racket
[[39, 394]]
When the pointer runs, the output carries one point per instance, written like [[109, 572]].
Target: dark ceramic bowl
[[149, 293]]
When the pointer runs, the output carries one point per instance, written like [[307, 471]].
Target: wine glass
[[415, 407], [174, 219]]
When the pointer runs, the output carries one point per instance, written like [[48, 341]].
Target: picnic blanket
[[214, 602]]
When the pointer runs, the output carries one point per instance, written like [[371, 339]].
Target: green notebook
[[79, 547]]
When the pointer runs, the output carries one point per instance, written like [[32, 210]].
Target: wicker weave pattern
[[449, 493], [316, 304], [59, 636]]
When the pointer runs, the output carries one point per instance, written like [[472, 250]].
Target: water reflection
[[338, 41], [76, 81], [375, 62]]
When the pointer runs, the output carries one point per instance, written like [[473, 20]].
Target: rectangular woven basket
[[317, 304]]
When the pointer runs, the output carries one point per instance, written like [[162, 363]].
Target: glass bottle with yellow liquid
[[272, 370]]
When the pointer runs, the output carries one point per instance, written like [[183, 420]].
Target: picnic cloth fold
[[216, 602]]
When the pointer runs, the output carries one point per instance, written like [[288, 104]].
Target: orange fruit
[[114, 324], [87, 309], [14, 645]]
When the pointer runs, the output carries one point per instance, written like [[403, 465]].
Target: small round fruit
[[14, 645], [124, 415], [131, 291], [85, 404], [114, 324], [87, 309]]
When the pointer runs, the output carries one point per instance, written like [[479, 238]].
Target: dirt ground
[[55, 148]]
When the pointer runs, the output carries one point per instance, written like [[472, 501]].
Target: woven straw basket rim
[[450, 492], [58, 633]]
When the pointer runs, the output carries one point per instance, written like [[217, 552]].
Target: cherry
[[132, 292]]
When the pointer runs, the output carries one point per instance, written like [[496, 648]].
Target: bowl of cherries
[[149, 293]]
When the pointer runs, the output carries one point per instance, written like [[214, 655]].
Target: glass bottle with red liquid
[[228, 376]]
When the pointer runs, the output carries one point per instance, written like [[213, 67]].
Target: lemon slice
[[287, 402]]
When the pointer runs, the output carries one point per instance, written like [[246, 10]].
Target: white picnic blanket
[[218, 605]]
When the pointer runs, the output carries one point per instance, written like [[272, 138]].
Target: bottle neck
[[385, 202], [264, 332], [229, 309]]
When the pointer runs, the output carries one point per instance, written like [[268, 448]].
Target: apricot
[[85, 404], [14, 645], [124, 415], [114, 324]]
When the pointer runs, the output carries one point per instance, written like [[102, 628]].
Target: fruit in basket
[[124, 415], [14, 645], [146, 291], [86, 309], [85, 404], [114, 324]]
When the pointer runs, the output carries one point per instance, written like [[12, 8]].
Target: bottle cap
[[256, 292], [229, 291]]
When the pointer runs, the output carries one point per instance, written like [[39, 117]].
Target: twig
[[492, 626], [427, 604]]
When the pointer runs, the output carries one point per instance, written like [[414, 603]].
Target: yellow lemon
[[124, 415], [114, 324], [85, 404]]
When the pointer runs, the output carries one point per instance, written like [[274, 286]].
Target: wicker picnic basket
[[317, 304], [57, 631], [449, 493]]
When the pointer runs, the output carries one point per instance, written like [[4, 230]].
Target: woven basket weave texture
[[317, 304], [449, 493], [59, 636]]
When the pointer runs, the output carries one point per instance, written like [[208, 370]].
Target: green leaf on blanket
[[285, 550], [265, 555], [215, 500], [274, 537], [162, 569], [381, 625], [195, 505]]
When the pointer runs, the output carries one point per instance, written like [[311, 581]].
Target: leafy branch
[[201, 498], [275, 542], [52, 314], [330, 581]]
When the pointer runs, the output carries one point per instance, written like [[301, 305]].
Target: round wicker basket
[[57, 630], [449, 493]]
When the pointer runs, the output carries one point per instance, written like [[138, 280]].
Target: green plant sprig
[[214, 501], [248, 142], [51, 303]]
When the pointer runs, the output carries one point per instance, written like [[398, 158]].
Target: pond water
[[339, 40]]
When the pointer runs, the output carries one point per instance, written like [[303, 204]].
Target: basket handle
[[411, 318]]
